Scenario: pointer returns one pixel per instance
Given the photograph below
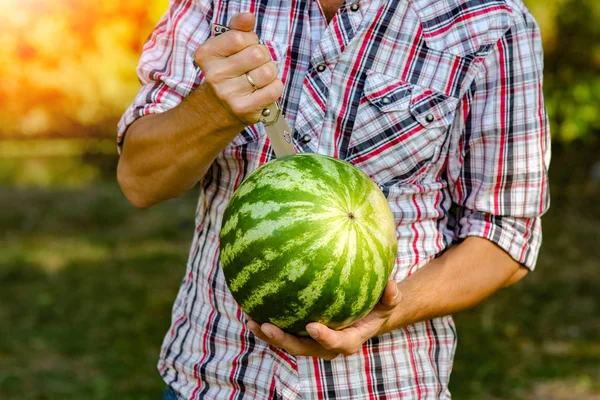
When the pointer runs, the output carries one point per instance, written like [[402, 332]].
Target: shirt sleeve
[[497, 168], [166, 69]]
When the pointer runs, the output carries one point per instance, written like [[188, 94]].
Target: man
[[439, 101]]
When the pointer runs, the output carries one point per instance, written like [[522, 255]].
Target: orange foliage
[[67, 67]]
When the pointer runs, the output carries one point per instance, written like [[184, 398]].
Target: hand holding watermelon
[[328, 343]]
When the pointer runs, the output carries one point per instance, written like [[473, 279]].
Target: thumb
[[242, 22], [391, 295]]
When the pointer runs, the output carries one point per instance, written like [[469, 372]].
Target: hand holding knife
[[277, 128]]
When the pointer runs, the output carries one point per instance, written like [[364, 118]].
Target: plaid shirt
[[439, 101]]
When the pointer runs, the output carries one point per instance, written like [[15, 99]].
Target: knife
[[277, 128]]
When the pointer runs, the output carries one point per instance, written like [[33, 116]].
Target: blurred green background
[[87, 281]]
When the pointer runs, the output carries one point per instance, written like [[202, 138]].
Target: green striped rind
[[292, 255]]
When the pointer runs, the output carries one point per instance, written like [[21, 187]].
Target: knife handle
[[269, 114]]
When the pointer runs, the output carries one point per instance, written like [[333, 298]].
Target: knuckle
[[208, 74], [274, 69], [237, 38], [213, 75], [276, 89], [266, 52], [266, 74], [237, 107], [257, 55], [200, 53]]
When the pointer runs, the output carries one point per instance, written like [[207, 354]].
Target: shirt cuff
[[521, 238], [153, 98], [130, 116]]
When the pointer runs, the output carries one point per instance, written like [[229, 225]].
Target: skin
[[164, 155]]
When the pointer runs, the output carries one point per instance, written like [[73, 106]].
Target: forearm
[[165, 154], [458, 280]]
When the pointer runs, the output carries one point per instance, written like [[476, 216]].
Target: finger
[[253, 103], [255, 329], [347, 341], [225, 45], [273, 332], [264, 74], [296, 345], [236, 91], [242, 22], [267, 95], [248, 59], [391, 295]]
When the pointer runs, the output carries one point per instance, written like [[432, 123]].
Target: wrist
[[206, 108]]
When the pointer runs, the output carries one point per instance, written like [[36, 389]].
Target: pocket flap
[[432, 108], [386, 93]]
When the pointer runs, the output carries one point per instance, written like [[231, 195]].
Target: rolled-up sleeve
[[498, 163], [166, 69]]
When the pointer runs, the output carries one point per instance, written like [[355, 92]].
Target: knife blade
[[278, 129]]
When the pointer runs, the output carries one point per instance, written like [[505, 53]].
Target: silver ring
[[251, 82]]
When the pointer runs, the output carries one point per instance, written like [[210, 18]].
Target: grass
[[87, 286], [88, 282]]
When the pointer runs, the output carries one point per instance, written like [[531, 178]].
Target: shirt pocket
[[399, 130], [254, 133]]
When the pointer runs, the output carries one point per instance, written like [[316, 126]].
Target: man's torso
[[379, 86]]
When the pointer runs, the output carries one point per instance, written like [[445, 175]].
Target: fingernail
[[267, 333], [312, 332]]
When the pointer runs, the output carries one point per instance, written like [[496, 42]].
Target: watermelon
[[307, 238]]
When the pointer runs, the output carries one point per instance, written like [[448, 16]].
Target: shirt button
[[354, 7], [306, 138], [429, 118], [386, 100], [321, 67]]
